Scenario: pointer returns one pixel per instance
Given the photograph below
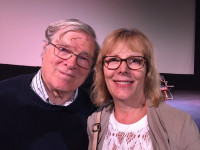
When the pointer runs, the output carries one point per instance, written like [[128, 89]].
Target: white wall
[[168, 23]]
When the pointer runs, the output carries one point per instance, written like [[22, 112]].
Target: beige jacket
[[170, 128]]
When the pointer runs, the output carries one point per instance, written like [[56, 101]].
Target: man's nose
[[72, 61]]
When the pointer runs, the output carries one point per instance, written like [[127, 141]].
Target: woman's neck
[[130, 112]]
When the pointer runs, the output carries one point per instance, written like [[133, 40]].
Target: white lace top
[[127, 137]]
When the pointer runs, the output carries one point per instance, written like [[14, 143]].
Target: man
[[48, 110]]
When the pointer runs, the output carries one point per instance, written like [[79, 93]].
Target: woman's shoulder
[[178, 124], [171, 117], [92, 117], [167, 110], [104, 112]]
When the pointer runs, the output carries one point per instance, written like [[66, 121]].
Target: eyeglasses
[[133, 62], [83, 60]]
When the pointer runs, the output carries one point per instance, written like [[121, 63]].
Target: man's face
[[67, 75]]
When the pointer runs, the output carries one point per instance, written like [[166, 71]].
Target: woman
[[134, 115]]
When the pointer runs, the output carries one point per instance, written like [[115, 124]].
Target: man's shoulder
[[12, 91], [84, 92], [15, 82], [17, 78], [84, 101]]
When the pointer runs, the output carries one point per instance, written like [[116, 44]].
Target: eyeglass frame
[[72, 53], [121, 60]]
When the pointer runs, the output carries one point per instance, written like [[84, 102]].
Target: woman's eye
[[113, 60], [135, 60]]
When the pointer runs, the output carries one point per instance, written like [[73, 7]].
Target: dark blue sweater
[[28, 123]]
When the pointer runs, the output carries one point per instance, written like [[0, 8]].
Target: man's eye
[[83, 57], [64, 50]]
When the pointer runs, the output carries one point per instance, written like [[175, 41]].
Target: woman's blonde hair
[[130, 39]]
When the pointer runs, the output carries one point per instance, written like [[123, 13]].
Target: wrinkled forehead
[[78, 41], [73, 35], [74, 40]]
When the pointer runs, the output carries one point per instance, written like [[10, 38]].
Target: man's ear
[[45, 47]]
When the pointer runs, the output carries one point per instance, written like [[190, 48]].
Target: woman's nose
[[123, 67]]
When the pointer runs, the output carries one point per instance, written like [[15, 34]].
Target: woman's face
[[124, 83]]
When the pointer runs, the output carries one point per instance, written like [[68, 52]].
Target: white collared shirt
[[38, 87]]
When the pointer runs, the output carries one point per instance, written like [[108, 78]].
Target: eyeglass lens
[[133, 62], [83, 60]]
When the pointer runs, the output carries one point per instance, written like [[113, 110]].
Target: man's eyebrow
[[71, 48], [63, 44]]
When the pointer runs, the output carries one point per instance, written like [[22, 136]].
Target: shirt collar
[[38, 87]]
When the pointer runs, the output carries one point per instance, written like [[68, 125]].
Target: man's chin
[[65, 86]]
